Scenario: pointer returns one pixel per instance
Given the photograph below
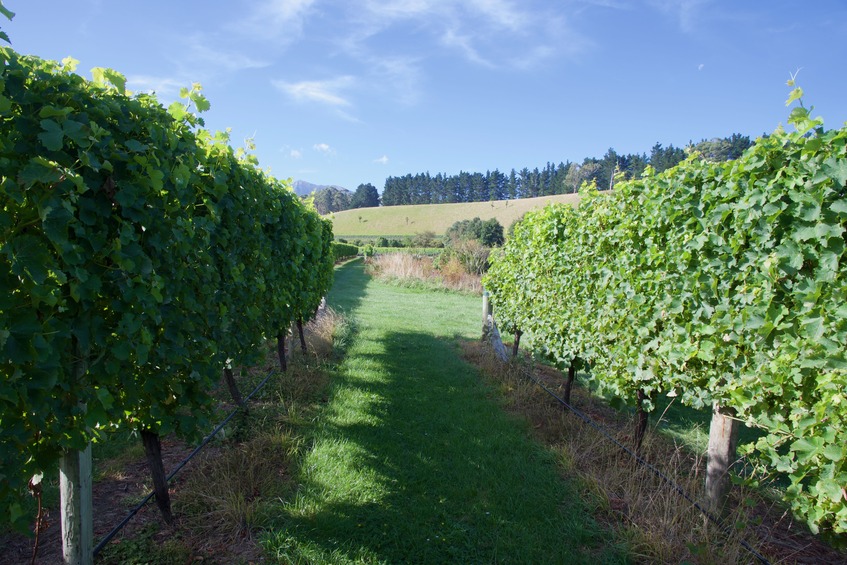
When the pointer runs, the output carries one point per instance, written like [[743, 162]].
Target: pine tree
[[366, 196]]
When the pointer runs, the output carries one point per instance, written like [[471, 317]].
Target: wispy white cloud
[[322, 91], [323, 148], [347, 117], [200, 52], [464, 43], [478, 30], [687, 13], [166, 88], [534, 58], [279, 20], [401, 9], [295, 154], [400, 77], [616, 4], [197, 58], [382, 160], [503, 13]]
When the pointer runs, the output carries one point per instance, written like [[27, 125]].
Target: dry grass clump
[[321, 331], [455, 277], [405, 268], [325, 334], [659, 524], [227, 495], [402, 266]]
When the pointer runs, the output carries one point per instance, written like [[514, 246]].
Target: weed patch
[[226, 495], [403, 269]]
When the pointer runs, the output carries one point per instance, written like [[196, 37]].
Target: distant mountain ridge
[[304, 188]]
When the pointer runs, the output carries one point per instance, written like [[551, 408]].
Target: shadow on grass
[[416, 463], [348, 286]]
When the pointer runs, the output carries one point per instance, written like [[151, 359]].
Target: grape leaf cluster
[[721, 282], [139, 253]]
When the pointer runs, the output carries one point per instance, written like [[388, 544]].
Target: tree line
[[333, 199], [562, 178]]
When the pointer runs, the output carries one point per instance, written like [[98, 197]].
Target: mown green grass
[[414, 461], [398, 221]]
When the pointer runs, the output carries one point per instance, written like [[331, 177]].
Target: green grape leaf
[[69, 64], [109, 77], [134, 145], [106, 399], [837, 169], [31, 258], [839, 206], [798, 115], [806, 448], [54, 112], [178, 111], [52, 135], [40, 170], [200, 102], [834, 452], [831, 489], [795, 94]]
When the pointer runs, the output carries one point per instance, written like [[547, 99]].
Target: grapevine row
[[139, 253], [725, 283], [344, 250]]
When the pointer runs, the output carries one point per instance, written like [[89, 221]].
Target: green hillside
[[409, 220]]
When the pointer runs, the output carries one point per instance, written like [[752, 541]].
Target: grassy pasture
[[409, 220]]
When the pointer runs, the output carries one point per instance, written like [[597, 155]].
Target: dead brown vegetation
[[404, 268]]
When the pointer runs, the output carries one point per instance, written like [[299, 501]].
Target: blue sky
[[352, 91]]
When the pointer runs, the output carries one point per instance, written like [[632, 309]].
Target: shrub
[[488, 232], [472, 255], [424, 239]]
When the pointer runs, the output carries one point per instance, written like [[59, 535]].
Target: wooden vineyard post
[[490, 332], [516, 344], [232, 386], [723, 439], [641, 420], [153, 450], [569, 382], [77, 513], [486, 311], [302, 337], [280, 351], [76, 509]]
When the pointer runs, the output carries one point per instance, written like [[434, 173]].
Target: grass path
[[413, 461]]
